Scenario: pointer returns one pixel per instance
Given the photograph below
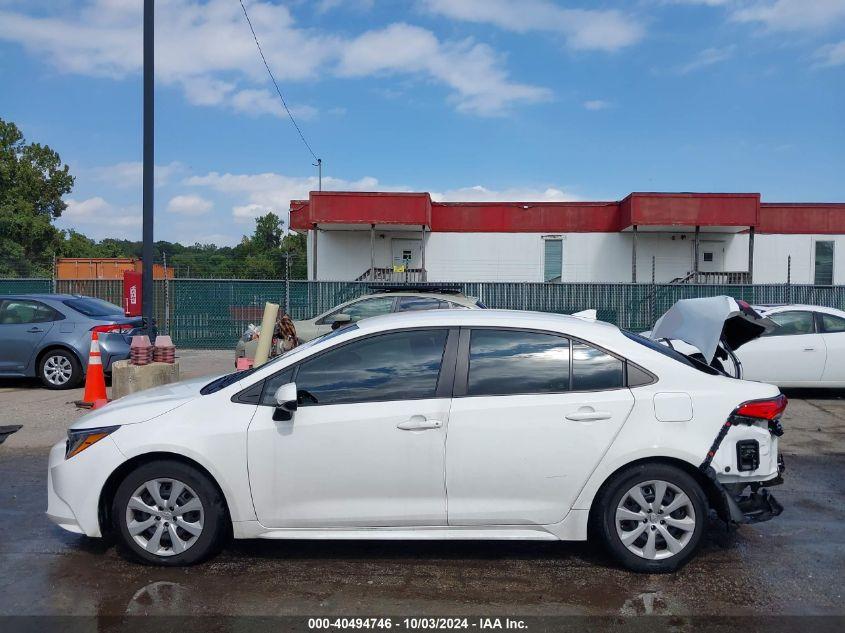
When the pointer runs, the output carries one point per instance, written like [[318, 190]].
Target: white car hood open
[[704, 323], [143, 405]]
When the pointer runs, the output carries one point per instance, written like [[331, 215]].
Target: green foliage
[[33, 180]]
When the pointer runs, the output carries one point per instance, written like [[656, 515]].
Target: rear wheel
[[652, 517], [169, 513], [59, 369]]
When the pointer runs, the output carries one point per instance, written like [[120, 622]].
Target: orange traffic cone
[[95, 381]]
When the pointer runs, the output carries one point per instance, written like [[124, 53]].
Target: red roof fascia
[[525, 217], [690, 209], [792, 218]]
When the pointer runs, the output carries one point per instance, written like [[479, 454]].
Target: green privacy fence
[[25, 286], [213, 313]]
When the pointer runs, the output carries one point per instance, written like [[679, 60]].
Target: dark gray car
[[49, 336]]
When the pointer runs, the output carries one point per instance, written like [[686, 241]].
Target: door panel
[[832, 328], [350, 465], [23, 325], [523, 459], [782, 360], [406, 252], [793, 354], [711, 257], [366, 448]]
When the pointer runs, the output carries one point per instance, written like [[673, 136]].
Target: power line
[[270, 72]]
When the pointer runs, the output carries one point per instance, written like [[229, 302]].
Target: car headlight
[[79, 440]]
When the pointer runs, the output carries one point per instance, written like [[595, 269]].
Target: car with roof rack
[[386, 299]]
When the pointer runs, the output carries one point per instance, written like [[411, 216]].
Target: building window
[[552, 260], [708, 257], [824, 264]]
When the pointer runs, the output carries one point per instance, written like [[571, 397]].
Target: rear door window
[[506, 362], [594, 369], [831, 324]]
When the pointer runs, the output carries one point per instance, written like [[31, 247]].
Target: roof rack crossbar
[[435, 288]]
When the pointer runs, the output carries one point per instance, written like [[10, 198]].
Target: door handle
[[586, 414], [35, 330], [809, 349], [419, 423]]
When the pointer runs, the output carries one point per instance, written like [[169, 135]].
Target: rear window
[[671, 353], [93, 307]]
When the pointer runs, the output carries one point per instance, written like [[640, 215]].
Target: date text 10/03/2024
[[425, 623]]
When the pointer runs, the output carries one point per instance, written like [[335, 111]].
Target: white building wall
[[587, 257], [771, 253]]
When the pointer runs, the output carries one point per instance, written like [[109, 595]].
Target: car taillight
[[768, 409], [115, 327]]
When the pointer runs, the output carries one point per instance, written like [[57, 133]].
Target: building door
[[407, 253], [711, 257]]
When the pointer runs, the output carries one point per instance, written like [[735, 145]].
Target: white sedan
[[806, 349], [448, 424]]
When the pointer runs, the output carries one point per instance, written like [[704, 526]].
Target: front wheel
[[652, 517], [169, 513]]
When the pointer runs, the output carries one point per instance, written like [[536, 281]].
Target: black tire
[[50, 359], [215, 520], [617, 488]]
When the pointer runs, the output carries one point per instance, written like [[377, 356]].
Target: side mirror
[[285, 402], [339, 320]]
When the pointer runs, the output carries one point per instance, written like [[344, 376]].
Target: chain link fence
[[213, 313]]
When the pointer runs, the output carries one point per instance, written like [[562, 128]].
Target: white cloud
[[129, 174], [472, 70], [258, 194], [323, 6], [189, 205], [707, 57], [257, 101], [596, 104], [709, 3], [97, 218], [605, 30], [831, 54], [206, 50], [478, 193], [792, 15]]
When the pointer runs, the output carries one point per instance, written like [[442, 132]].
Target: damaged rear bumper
[[751, 503]]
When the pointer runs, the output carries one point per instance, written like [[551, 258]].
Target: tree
[[269, 230], [33, 180]]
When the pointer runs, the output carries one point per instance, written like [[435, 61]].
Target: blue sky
[[468, 99]]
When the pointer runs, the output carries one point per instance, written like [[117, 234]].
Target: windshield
[[93, 307], [671, 353], [224, 381]]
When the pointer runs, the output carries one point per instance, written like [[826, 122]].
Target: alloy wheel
[[58, 370], [655, 519], [164, 516]]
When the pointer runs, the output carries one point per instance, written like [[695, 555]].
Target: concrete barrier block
[[127, 378]]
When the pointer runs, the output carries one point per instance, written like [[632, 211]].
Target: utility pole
[[149, 165], [319, 166]]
